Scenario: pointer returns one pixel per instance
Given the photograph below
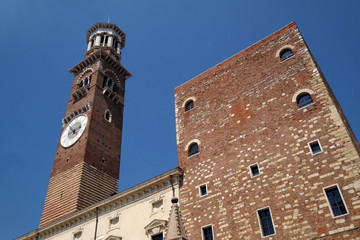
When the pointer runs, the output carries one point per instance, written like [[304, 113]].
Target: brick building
[[264, 150], [262, 141]]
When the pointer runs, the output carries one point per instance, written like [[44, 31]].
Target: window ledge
[[313, 154], [194, 155], [186, 111], [252, 176], [339, 216], [306, 106], [268, 235], [287, 58]]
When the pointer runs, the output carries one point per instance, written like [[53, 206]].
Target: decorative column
[[89, 46], [110, 41], [97, 40], [118, 48]]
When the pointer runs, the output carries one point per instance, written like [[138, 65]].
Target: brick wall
[[244, 113]]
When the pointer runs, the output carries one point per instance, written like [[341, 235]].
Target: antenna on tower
[[108, 19]]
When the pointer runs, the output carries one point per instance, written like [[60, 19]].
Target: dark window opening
[[207, 233], [285, 54], [266, 222], [189, 105], [109, 83], [315, 147], [115, 42], [157, 237], [106, 40], [105, 81], [336, 202], [101, 39], [193, 149], [254, 170], [303, 100], [203, 190], [108, 116]]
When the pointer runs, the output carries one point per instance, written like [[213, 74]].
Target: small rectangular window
[[335, 201], [315, 147], [157, 206], [157, 237], [77, 235], [207, 233], [113, 222], [266, 223], [254, 170], [203, 190]]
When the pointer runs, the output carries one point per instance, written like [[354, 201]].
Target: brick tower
[[266, 149], [87, 161]]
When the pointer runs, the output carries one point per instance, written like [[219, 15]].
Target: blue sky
[[168, 42]]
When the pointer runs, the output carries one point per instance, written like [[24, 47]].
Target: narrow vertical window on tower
[[108, 116], [265, 221], [286, 54], [106, 40], [115, 42], [335, 201], [207, 233], [193, 149], [108, 83]]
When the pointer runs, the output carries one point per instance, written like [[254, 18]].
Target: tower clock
[[87, 161]]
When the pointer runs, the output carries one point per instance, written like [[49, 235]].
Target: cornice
[[124, 198], [99, 55]]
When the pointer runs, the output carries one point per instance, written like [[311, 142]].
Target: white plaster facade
[[137, 213]]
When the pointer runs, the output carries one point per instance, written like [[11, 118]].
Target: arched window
[[108, 116], [193, 149], [285, 54], [115, 42], [303, 100], [86, 82], [189, 105], [109, 83]]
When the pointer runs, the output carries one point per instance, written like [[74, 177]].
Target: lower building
[[140, 212]]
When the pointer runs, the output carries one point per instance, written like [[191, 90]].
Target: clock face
[[73, 131]]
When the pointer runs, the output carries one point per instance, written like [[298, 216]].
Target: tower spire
[[175, 229]]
